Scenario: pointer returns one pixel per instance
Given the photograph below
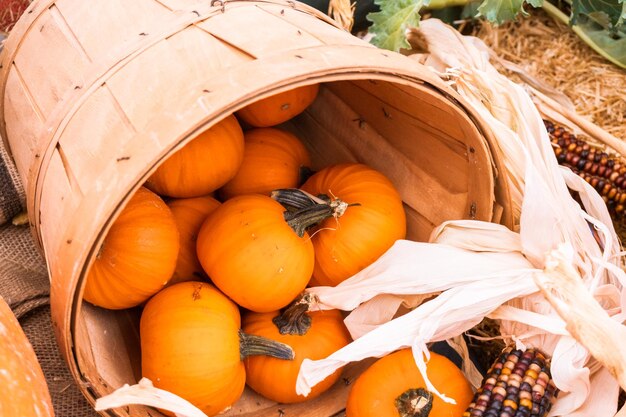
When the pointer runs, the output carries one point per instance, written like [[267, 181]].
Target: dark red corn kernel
[[594, 168]]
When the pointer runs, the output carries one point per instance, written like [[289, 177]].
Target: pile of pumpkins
[[219, 244]]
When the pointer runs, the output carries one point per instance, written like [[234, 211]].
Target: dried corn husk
[[145, 393], [470, 270]]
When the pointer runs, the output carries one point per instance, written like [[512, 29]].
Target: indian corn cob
[[518, 384], [606, 173]]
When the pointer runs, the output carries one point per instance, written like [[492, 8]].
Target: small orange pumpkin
[[279, 108], [203, 165], [192, 346], [375, 219], [253, 254], [138, 255], [272, 159], [23, 388], [312, 335], [189, 214], [393, 387]]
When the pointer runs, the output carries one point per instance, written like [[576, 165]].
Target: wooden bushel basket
[[96, 94]]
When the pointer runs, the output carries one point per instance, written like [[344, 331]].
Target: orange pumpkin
[[189, 214], [347, 243], [203, 165], [313, 335], [253, 255], [280, 107], [23, 388], [192, 346], [393, 387], [138, 255], [272, 159]]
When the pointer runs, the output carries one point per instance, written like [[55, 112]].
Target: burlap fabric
[[25, 286]]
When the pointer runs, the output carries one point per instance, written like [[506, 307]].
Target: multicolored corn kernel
[[517, 385], [606, 173]]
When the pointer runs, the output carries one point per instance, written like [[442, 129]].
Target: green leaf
[[500, 11], [608, 44], [470, 10], [611, 45], [613, 12], [390, 23]]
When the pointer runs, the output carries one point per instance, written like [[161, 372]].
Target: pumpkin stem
[[294, 199], [294, 320], [414, 402], [305, 210], [251, 345]]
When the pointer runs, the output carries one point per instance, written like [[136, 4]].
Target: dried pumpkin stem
[[295, 320], [294, 198], [305, 210], [253, 345], [414, 402]]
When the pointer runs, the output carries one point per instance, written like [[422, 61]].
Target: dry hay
[[553, 53], [10, 11]]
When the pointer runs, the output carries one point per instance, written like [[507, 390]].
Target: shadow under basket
[[87, 135]]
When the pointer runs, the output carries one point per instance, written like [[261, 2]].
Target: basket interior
[[421, 140]]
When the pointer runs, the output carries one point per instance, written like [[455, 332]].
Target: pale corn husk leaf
[[379, 310], [548, 219], [145, 393]]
